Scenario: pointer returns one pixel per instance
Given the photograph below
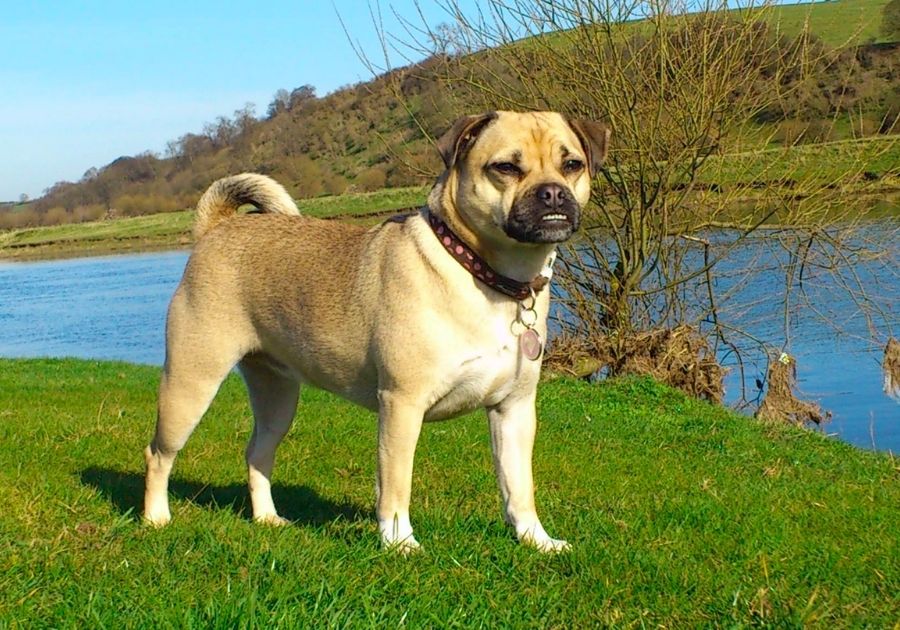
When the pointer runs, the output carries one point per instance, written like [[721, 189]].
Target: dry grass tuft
[[679, 357], [891, 367], [781, 403]]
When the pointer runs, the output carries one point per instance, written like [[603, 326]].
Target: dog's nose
[[553, 195]]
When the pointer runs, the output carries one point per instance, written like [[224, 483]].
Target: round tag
[[530, 344]]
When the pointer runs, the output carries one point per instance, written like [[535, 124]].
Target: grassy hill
[[680, 514], [837, 23], [360, 138]]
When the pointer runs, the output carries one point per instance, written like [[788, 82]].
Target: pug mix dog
[[424, 317]]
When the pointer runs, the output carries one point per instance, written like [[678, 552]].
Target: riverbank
[[172, 230], [867, 168], [680, 513]]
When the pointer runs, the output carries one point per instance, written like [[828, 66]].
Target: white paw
[[157, 518], [535, 536], [271, 520], [552, 545], [397, 535], [404, 547]]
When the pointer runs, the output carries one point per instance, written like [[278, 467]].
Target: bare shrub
[[372, 178], [139, 205], [84, 214], [689, 186], [56, 216], [21, 218]]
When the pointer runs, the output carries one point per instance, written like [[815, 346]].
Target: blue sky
[[86, 82]]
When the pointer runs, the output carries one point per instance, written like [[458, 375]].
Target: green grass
[[680, 513], [150, 226], [844, 22], [836, 22], [811, 163], [364, 203]]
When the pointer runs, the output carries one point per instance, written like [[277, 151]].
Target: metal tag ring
[[528, 317]]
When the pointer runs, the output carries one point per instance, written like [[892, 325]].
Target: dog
[[421, 318]]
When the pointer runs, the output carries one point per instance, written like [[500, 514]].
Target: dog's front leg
[[513, 425], [399, 425]]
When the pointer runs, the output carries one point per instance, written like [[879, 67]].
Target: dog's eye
[[507, 168], [573, 166]]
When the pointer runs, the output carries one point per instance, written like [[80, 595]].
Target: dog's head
[[520, 176]]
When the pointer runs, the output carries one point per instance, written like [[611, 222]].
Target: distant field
[[869, 166], [171, 230], [836, 23], [364, 203], [879, 156]]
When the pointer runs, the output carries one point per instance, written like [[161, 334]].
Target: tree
[[23, 198], [448, 39], [285, 101], [301, 95], [280, 102], [245, 118]]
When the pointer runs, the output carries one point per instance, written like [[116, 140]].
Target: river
[[114, 308]]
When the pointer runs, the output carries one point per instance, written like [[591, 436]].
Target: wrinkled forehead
[[526, 137]]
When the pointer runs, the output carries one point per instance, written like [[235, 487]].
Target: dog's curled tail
[[222, 199]]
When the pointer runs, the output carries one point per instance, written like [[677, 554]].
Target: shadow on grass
[[300, 504]]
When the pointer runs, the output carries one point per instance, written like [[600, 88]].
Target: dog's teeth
[[554, 217]]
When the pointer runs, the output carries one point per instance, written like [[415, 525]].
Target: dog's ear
[[457, 140], [594, 138]]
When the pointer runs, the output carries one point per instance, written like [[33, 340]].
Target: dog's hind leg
[[194, 370], [273, 397], [183, 399]]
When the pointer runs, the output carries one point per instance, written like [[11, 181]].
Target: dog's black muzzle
[[545, 214]]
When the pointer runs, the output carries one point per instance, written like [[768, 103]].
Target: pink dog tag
[[530, 343]]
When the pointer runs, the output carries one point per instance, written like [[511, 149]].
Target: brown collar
[[478, 267]]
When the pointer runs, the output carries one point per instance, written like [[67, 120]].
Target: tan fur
[[225, 196], [383, 317]]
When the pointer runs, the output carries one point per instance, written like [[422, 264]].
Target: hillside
[[376, 134]]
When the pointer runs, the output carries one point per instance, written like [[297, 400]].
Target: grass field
[[680, 514], [868, 166], [172, 230], [836, 22], [844, 22]]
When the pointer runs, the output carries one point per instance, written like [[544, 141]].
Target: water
[[94, 308], [114, 308]]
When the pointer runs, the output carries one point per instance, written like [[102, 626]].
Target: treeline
[[376, 134]]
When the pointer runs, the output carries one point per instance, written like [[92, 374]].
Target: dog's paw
[[397, 535], [535, 536], [271, 520], [157, 519], [552, 545], [405, 547]]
